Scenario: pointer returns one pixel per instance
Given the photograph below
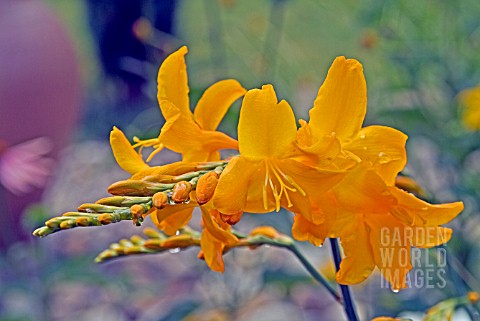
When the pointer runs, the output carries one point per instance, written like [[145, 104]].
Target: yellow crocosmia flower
[[373, 221], [192, 135], [127, 158], [266, 175], [470, 99], [216, 236], [337, 117], [335, 136]]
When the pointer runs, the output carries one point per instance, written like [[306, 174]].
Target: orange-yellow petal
[[319, 153], [125, 155], [215, 101], [212, 251], [231, 192], [304, 230], [172, 223], [196, 156], [358, 263], [341, 102], [313, 181], [319, 222], [414, 211], [175, 217], [219, 233], [173, 82], [382, 149], [364, 191], [255, 193], [391, 249], [266, 128], [181, 134], [429, 236]]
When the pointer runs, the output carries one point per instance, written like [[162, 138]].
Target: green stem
[[288, 243], [347, 298], [315, 274]]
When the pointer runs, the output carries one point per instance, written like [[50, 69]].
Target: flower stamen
[[287, 184], [153, 142]]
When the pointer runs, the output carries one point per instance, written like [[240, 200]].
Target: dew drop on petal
[[177, 232], [425, 208], [174, 251], [321, 245], [362, 136], [383, 158]]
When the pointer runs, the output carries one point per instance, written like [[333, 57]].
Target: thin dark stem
[[315, 274], [347, 297]]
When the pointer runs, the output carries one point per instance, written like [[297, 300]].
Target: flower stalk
[[314, 273], [348, 305]]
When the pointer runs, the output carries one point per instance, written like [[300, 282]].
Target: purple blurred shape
[[39, 91]]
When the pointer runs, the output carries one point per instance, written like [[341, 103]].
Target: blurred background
[[70, 70]]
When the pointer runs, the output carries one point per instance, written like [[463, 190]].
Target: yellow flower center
[[280, 184]]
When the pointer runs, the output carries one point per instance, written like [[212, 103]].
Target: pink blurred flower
[[25, 166]]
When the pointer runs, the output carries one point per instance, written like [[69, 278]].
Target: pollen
[[280, 185]]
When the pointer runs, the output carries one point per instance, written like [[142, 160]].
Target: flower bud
[[206, 187], [82, 221], [181, 192], [67, 224], [137, 211], [152, 233], [178, 241], [231, 219], [160, 200], [105, 219]]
